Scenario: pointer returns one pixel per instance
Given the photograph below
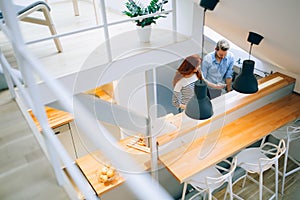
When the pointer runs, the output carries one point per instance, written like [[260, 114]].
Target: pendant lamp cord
[[203, 23], [250, 50]]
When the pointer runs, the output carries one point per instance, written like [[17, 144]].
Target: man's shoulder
[[230, 54], [209, 57]]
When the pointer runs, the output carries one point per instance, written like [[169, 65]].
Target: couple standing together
[[216, 70]]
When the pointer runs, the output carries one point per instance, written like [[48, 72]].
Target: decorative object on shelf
[[246, 82], [139, 142], [135, 9], [106, 174], [199, 107]]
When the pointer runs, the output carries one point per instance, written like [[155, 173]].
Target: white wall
[[164, 77], [130, 92]]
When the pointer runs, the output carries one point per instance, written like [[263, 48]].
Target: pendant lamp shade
[[199, 107], [254, 38], [209, 4], [246, 81]]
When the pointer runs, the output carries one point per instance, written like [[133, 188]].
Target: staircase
[[25, 172]]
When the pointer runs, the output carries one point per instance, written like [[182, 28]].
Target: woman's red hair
[[187, 67]]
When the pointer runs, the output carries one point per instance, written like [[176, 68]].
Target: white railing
[[141, 185]]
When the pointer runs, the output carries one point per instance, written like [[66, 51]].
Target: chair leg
[[184, 191], [260, 185], [276, 179], [244, 181], [96, 10], [210, 195], [284, 167], [75, 6], [225, 195], [230, 190], [52, 30]]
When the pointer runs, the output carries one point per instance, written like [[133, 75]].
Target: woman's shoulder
[[186, 81]]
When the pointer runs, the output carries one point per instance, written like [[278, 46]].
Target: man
[[217, 68]]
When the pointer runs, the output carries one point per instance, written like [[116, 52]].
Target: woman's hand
[[219, 86], [182, 106]]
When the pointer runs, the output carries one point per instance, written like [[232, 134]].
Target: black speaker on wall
[[209, 4]]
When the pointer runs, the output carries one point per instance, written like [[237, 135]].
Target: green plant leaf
[[135, 9]]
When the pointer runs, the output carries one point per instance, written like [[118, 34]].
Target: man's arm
[[228, 84], [229, 73]]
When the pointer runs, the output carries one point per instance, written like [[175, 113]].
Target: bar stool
[[292, 133], [258, 160], [210, 179]]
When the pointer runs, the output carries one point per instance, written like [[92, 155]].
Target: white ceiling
[[276, 20]]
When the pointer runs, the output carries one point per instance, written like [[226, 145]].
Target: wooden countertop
[[55, 117], [89, 164], [206, 151], [234, 101]]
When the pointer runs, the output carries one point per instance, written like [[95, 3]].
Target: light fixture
[[246, 82], [199, 106], [210, 5]]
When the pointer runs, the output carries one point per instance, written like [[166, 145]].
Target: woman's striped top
[[184, 90]]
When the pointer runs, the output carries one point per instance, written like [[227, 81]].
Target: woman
[[184, 81]]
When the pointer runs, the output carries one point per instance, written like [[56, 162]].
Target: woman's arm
[[213, 85], [176, 99]]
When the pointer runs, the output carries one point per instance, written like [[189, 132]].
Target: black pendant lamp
[[246, 82], [199, 107], [210, 5]]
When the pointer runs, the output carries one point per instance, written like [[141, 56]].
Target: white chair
[[291, 133], [258, 160], [208, 180], [24, 14]]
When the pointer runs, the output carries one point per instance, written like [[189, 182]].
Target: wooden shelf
[[56, 118], [104, 92], [89, 166]]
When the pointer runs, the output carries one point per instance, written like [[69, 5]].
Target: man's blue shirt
[[216, 72]]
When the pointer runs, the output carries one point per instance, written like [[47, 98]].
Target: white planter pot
[[144, 33]]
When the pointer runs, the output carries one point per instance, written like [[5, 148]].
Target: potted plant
[[135, 9]]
